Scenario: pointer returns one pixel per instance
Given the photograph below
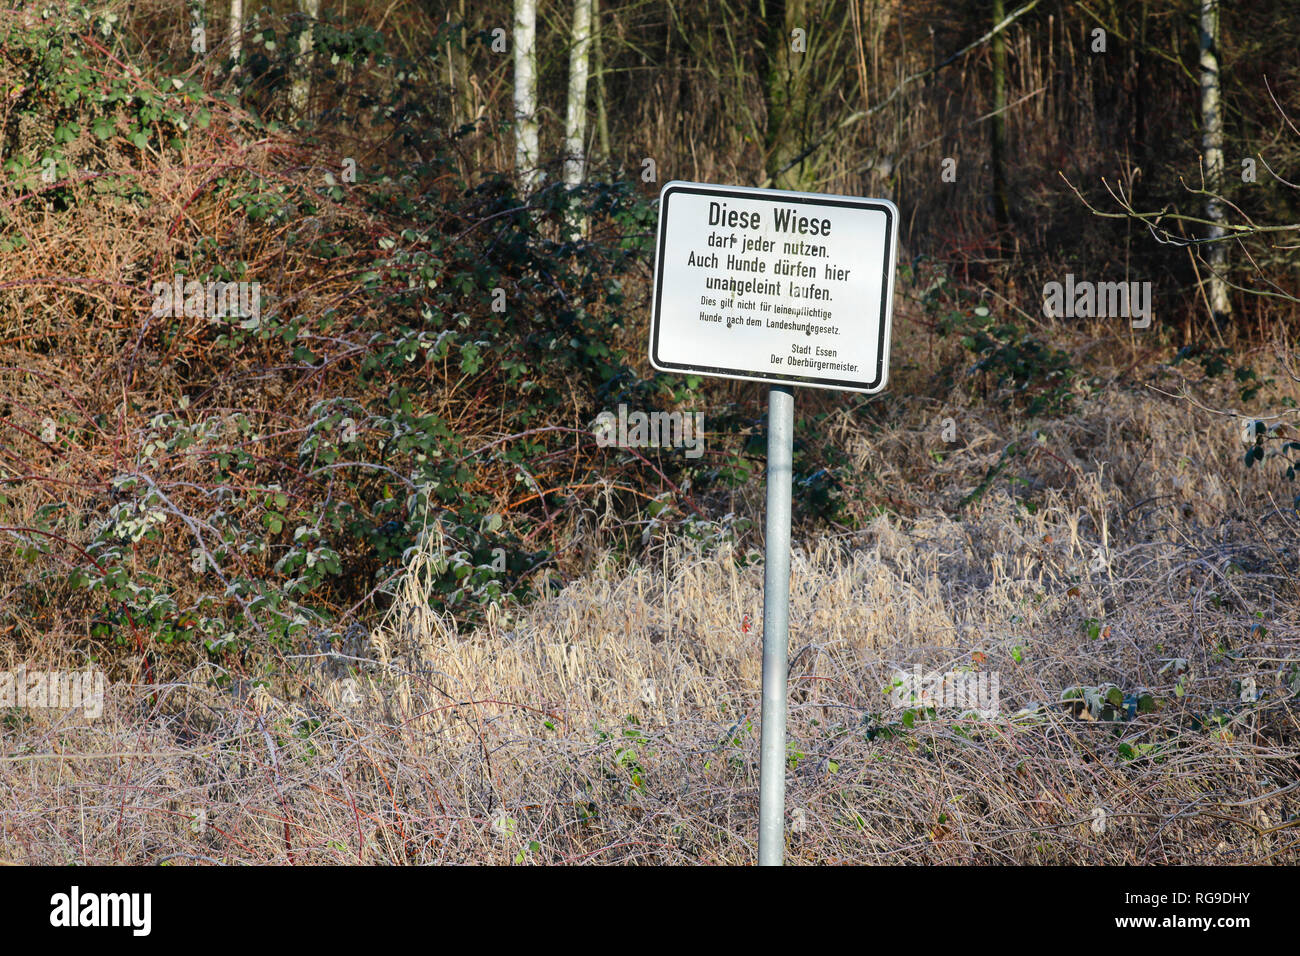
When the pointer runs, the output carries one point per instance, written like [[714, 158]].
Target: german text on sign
[[774, 286]]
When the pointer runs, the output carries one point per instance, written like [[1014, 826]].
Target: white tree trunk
[[575, 121], [1212, 155], [300, 91], [526, 149], [236, 29]]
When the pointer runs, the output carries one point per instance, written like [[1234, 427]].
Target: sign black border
[[811, 199]]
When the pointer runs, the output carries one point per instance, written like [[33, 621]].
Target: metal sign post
[[787, 289], [776, 625]]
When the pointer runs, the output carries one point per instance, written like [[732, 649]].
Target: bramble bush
[[420, 372], [1011, 366]]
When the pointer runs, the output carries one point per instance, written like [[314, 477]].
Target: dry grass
[[616, 721]]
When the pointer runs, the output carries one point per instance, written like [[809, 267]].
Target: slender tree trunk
[[526, 148], [461, 59], [236, 30], [300, 91], [787, 95], [575, 120], [1212, 155], [1140, 84], [998, 125], [602, 119]]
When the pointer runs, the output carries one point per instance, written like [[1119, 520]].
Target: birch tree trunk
[[300, 91], [526, 149], [575, 120], [1212, 156], [236, 30]]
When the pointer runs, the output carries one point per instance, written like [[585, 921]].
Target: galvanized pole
[[776, 625]]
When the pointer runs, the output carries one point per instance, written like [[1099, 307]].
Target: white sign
[[773, 286]]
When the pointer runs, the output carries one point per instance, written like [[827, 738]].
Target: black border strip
[[843, 202]]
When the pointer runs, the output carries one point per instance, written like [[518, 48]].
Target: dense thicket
[[428, 346]]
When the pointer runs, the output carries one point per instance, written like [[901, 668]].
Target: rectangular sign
[[774, 286]]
